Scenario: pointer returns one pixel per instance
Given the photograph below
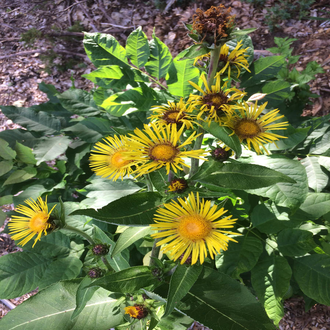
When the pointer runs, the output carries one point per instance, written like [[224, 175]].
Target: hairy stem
[[154, 252]]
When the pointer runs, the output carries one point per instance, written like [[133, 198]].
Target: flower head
[[191, 227], [249, 125], [178, 185], [221, 153], [158, 146], [236, 59], [95, 272], [213, 25], [178, 113], [216, 102], [137, 311], [35, 221], [107, 159], [100, 249]]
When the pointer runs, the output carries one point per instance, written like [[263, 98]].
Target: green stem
[[149, 183], [80, 232], [198, 144], [106, 262], [154, 252], [214, 60]]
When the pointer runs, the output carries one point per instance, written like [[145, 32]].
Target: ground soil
[[58, 47]]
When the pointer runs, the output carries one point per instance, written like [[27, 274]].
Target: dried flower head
[[137, 311], [178, 185], [214, 24]]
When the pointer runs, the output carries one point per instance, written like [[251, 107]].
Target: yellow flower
[[200, 59], [178, 185], [107, 159], [215, 102], [236, 58], [157, 146], [35, 221], [178, 113], [254, 128], [131, 311], [191, 227]]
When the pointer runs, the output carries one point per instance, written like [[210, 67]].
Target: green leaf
[[316, 204], [5, 151], [184, 71], [34, 121], [240, 257], [239, 176], [114, 107], [182, 280], [321, 146], [50, 90], [290, 195], [5, 166], [271, 280], [21, 175], [312, 274], [223, 133], [265, 68], [34, 191], [175, 321], [12, 136], [106, 71], [133, 210], [243, 31], [24, 154], [53, 307], [137, 48], [317, 179], [216, 298], [129, 236], [78, 102], [271, 219], [104, 49], [103, 191], [84, 294], [160, 58], [50, 148], [3, 216], [128, 280], [295, 242], [193, 51]]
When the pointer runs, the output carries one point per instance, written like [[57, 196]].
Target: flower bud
[[100, 249]]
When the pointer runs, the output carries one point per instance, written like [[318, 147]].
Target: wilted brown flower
[[214, 24]]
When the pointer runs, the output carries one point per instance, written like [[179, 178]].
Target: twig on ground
[[91, 22], [42, 51], [101, 7]]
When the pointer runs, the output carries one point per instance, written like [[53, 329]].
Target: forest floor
[[41, 41]]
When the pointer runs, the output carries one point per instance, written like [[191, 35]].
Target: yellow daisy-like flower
[[201, 59], [190, 227], [216, 102], [236, 58], [157, 146], [178, 113], [132, 311], [107, 158], [178, 185], [254, 128], [35, 221]]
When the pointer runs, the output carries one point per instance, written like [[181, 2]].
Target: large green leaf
[[322, 145], [5, 151], [216, 298], [104, 49], [290, 195], [5, 166], [128, 280], [271, 280], [114, 107], [224, 134], [183, 72], [183, 278], [52, 309], [78, 102], [133, 210], [240, 257], [103, 191], [106, 72], [295, 242], [312, 274], [24, 154], [270, 219], [239, 176], [317, 179], [316, 204], [33, 121], [265, 68], [21, 175], [50, 148], [137, 48], [160, 58], [129, 236], [34, 191], [12, 136]]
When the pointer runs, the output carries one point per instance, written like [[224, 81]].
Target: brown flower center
[[217, 100]]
